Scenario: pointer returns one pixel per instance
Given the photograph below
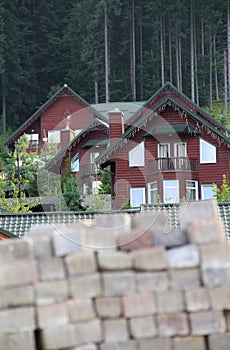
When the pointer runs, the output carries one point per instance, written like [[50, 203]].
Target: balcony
[[89, 169], [172, 164]]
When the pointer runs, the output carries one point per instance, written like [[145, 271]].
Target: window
[[164, 150], [180, 149], [191, 190], [152, 192], [85, 188], [54, 136], [207, 191], [137, 196], [171, 191], [93, 157], [96, 185], [137, 155], [75, 165], [207, 152], [33, 140]]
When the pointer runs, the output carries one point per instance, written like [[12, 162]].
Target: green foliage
[[222, 193], [17, 202], [12, 195], [44, 44], [70, 197], [97, 202], [105, 187], [218, 113]]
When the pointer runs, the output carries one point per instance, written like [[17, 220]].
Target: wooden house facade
[[65, 109], [171, 150], [165, 150]]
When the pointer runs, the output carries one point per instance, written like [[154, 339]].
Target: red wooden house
[[167, 150], [65, 109]]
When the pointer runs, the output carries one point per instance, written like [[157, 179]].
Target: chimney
[[116, 124], [66, 136]]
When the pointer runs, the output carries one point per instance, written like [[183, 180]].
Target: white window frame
[[176, 155], [132, 201], [75, 165], [54, 136], [96, 185], [171, 186], [85, 188], [152, 192], [203, 159], [160, 146], [137, 155], [33, 140], [192, 187], [203, 186], [93, 157]]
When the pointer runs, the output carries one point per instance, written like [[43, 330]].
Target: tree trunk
[[106, 52], [196, 68], [4, 113], [202, 48], [215, 68], [225, 84], [228, 34], [96, 92], [170, 57], [210, 70], [162, 51], [141, 58], [180, 64], [177, 64], [133, 55], [192, 51]]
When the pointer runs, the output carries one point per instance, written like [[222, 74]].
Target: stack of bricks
[[149, 298]]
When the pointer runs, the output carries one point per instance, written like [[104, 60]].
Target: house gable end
[[183, 112], [62, 92]]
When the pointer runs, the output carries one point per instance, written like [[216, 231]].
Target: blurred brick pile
[[119, 285]]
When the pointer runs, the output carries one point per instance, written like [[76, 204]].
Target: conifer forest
[[111, 50]]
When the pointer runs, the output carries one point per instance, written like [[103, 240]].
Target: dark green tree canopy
[[48, 43]]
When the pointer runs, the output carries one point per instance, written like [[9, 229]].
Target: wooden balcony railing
[[173, 164]]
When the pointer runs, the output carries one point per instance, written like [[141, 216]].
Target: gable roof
[[219, 132], [63, 90], [61, 154], [168, 88]]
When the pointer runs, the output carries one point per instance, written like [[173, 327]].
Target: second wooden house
[[167, 150]]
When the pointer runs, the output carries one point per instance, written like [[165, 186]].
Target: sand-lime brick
[[98, 295], [114, 261], [143, 327], [81, 263], [108, 307], [170, 301], [189, 343], [197, 299], [173, 324], [152, 281], [116, 330], [118, 283], [80, 310], [150, 259], [184, 279], [139, 304], [88, 286], [207, 322], [51, 269]]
